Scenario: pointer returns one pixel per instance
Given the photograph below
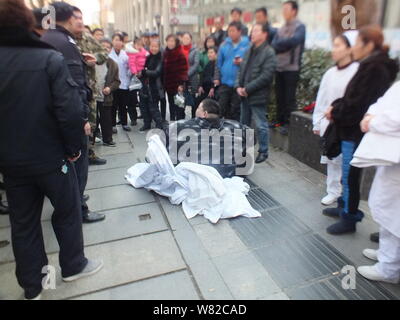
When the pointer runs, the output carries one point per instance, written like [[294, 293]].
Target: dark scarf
[[153, 61]]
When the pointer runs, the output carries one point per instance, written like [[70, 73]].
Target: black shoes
[[335, 212], [111, 144], [93, 217], [144, 129], [4, 210], [262, 157], [342, 227], [86, 197], [127, 128], [375, 237], [96, 161]]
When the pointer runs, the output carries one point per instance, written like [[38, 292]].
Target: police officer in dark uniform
[[41, 126], [63, 40]]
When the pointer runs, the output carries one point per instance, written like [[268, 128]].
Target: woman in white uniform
[[384, 118], [333, 87]]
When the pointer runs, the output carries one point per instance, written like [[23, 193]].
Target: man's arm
[[285, 44], [66, 103]]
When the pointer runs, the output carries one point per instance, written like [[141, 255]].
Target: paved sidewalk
[[151, 251]]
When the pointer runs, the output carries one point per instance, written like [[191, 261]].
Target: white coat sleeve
[[387, 113], [322, 103]]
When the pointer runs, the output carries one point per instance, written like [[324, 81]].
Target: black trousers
[[149, 108], [105, 121], [122, 100], [82, 172], [163, 107], [286, 87], [176, 113], [230, 102], [25, 197], [133, 103]]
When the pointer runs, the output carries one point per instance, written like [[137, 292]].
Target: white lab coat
[[200, 189], [333, 86], [384, 199]]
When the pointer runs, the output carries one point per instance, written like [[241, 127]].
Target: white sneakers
[[92, 267], [371, 273], [329, 200], [371, 254]]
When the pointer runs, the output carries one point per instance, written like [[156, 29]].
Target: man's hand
[[317, 132], [366, 122], [217, 83], [242, 92], [76, 158], [237, 61], [88, 129], [328, 113], [90, 59], [212, 93], [107, 91], [201, 91]]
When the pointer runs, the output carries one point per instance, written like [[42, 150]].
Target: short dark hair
[[264, 27], [211, 37], [98, 29], [124, 34], [294, 4], [63, 10], [263, 10], [76, 9], [189, 34], [236, 24], [213, 48], [89, 28], [14, 13], [39, 16], [238, 10], [175, 37], [211, 106], [118, 35], [105, 40]]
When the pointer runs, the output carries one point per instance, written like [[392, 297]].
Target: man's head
[[208, 109], [218, 24], [212, 53], [14, 13], [39, 19], [259, 34], [98, 34], [236, 14], [290, 10], [107, 44], [235, 31], [69, 17], [118, 42], [261, 15]]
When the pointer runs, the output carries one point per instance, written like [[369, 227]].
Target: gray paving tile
[[117, 197], [125, 160], [219, 239], [294, 262], [122, 147], [106, 178], [331, 289], [176, 286], [246, 278], [274, 225], [120, 224], [125, 261], [276, 296]]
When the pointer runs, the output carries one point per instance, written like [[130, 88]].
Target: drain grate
[[261, 201]]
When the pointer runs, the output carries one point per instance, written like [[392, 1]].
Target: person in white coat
[[333, 87], [384, 201]]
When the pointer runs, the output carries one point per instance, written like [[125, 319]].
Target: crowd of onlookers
[[71, 87]]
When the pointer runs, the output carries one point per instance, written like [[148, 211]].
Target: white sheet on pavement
[[200, 189]]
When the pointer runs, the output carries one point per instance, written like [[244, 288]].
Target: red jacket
[[175, 69]]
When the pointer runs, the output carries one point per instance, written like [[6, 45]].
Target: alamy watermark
[[49, 21], [349, 21]]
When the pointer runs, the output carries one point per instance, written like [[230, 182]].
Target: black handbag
[[331, 143]]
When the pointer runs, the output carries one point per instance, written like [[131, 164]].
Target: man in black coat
[[254, 83], [63, 40], [41, 126]]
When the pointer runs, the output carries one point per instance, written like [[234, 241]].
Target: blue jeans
[[259, 115], [351, 183]]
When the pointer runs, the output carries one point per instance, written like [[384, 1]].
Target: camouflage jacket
[[88, 44]]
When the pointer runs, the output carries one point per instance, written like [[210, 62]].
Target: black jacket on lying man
[[225, 145], [42, 127]]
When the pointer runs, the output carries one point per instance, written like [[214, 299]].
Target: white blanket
[[200, 189]]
